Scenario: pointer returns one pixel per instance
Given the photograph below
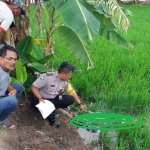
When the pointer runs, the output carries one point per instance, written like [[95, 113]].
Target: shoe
[[52, 121], [54, 124]]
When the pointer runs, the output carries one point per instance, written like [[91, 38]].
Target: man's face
[[66, 76], [16, 11], [9, 61]]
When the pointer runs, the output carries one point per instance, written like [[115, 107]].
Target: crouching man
[[55, 87], [8, 93]]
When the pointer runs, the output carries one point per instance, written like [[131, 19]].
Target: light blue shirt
[[4, 81]]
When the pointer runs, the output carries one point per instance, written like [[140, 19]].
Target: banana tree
[[78, 22], [21, 74]]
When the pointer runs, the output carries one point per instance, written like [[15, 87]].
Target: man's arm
[[4, 26], [72, 92], [37, 93], [78, 101], [11, 90]]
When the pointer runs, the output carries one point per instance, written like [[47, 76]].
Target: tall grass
[[120, 79]]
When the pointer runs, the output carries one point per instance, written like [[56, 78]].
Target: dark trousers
[[66, 101]]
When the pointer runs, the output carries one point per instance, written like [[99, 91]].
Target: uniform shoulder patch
[[49, 74], [42, 78]]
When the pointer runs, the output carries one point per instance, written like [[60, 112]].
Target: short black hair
[[4, 49], [65, 67]]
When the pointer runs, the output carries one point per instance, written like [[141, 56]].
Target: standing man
[[8, 93], [55, 87], [8, 13]]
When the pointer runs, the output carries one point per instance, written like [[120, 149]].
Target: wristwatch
[[79, 104]]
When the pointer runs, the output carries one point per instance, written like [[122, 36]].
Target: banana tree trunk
[[49, 42]]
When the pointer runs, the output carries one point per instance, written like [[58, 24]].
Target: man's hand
[[41, 100], [12, 92], [81, 107], [37, 94]]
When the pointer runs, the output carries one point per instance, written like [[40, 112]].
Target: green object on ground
[[106, 121]]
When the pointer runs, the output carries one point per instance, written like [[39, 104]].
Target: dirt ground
[[35, 133]]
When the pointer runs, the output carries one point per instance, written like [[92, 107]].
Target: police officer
[[55, 87]]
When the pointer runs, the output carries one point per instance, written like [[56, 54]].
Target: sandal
[[6, 124]]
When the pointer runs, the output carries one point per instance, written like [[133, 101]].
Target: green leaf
[[79, 19], [57, 3], [105, 22], [45, 2], [116, 38], [24, 58], [112, 10], [45, 59], [29, 81], [32, 58], [104, 33], [37, 53], [86, 5], [107, 31], [14, 80], [25, 45], [24, 73], [39, 67], [21, 73], [100, 7], [126, 12], [74, 44], [115, 13], [24, 48]]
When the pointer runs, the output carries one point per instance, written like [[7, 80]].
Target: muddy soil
[[35, 133]]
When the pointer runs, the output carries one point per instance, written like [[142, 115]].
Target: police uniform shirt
[[49, 85], [4, 81]]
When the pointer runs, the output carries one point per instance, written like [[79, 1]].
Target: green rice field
[[120, 79]]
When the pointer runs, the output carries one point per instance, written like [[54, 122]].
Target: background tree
[[78, 22]]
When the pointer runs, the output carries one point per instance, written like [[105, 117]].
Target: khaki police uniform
[[55, 90], [49, 86]]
